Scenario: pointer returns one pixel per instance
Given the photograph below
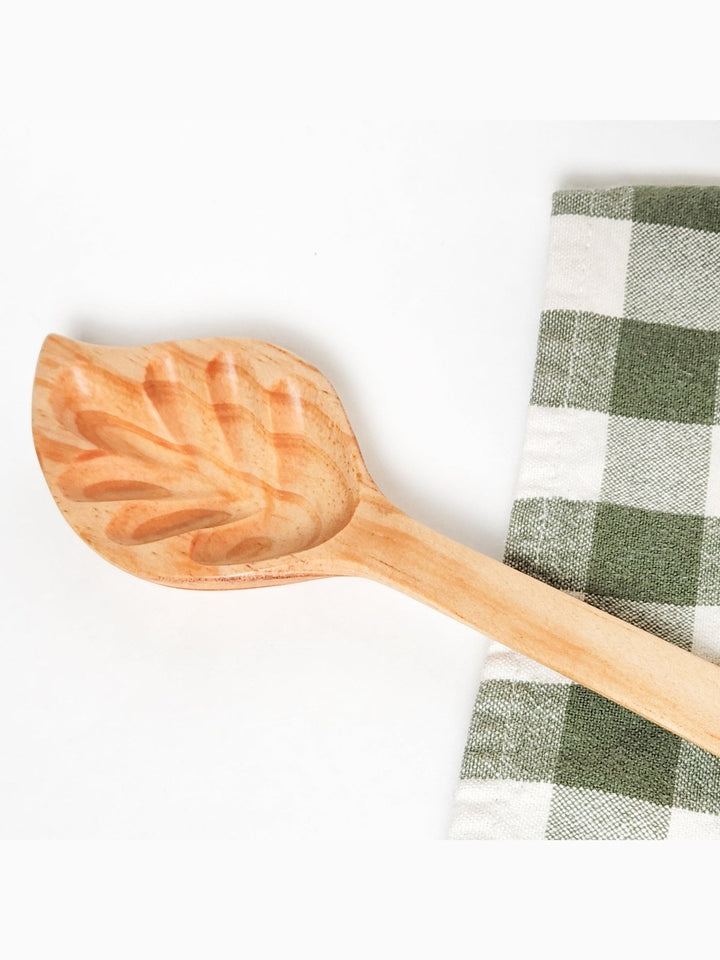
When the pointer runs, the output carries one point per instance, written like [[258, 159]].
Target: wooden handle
[[637, 670]]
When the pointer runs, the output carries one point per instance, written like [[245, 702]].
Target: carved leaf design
[[212, 448]]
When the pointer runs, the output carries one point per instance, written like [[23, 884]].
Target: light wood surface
[[229, 463]]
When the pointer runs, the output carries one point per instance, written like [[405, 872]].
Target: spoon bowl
[[226, 463], [196, 463]]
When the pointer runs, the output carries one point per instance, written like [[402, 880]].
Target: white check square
[[706, 633], [564, 453], [587, 264]]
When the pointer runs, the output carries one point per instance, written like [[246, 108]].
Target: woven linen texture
[[618, 502]]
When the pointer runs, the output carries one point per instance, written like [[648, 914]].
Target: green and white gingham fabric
[[618, 502]]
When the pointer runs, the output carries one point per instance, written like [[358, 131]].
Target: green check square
[[614, 202], [575, 360], [515, 731], [645, 555], [551, 539], [665, 373], [709, 583], [697, 208], [697, 786], [606, 747]]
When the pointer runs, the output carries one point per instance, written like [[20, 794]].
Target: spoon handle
[[648, 675]]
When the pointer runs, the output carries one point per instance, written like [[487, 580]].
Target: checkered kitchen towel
[[618, 501]]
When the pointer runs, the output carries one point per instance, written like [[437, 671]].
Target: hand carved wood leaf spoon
[[225, 463]]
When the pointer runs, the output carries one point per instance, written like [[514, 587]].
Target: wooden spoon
[[225, 463]]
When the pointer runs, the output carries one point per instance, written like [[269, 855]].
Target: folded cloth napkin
[[618, 502]]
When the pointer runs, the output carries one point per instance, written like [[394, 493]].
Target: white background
[[271, 773]]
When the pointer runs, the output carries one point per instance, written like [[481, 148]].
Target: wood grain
[[230, 463]]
